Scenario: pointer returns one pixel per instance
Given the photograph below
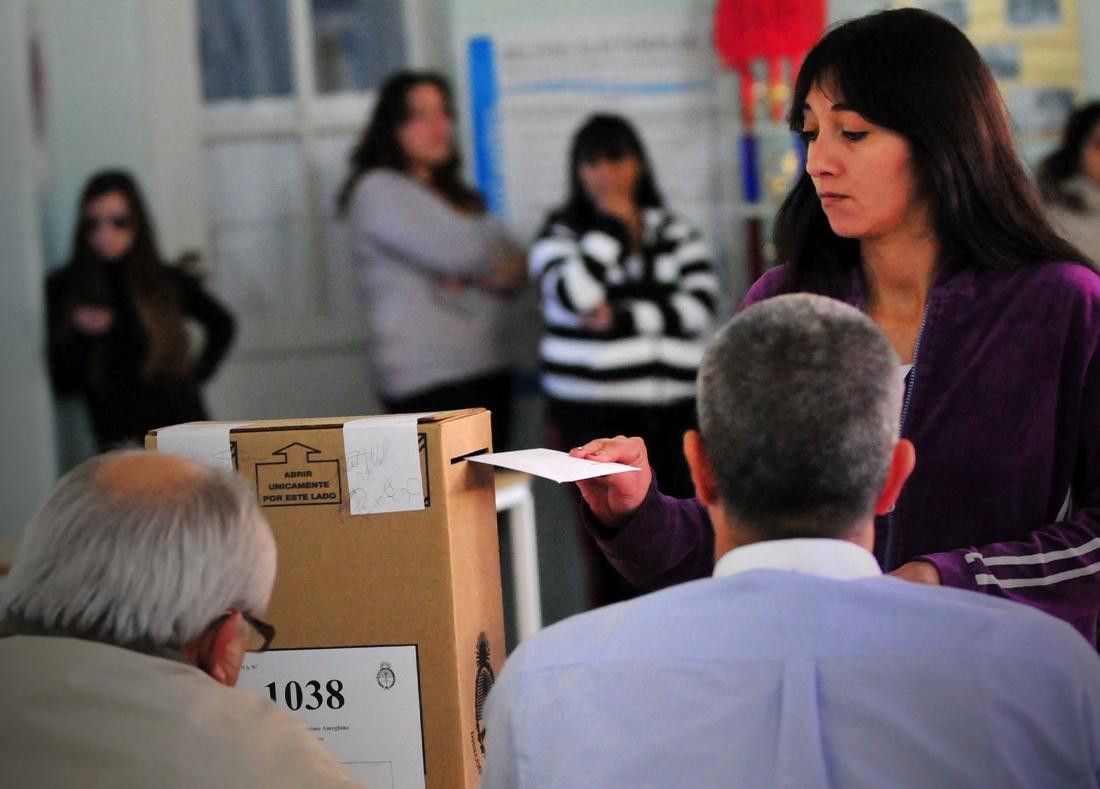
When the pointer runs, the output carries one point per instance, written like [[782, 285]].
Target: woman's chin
[[844, 229], [112, 256]]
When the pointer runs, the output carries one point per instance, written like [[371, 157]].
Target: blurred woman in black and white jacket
[[628, 298]]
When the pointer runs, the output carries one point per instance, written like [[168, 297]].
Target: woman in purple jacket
[[915, 208]]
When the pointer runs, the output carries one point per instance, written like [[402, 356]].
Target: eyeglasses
[[260, 633], [119, 222]]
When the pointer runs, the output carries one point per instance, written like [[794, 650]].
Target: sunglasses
[[120, 222]]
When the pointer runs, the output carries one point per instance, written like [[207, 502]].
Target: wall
[[1088, 13], [97, 98], [27, 457], [1088, 18]]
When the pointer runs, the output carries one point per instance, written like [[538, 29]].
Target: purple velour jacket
[[1003, 406]]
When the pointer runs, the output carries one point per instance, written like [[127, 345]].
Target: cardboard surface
[[427, 577]]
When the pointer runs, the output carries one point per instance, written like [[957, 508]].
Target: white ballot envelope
[[551, 464]]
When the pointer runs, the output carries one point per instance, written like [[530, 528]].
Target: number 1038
[[310, 695]]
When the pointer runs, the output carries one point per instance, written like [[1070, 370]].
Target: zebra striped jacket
[[663, 301]]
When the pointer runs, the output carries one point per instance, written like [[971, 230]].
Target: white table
[[513, 490]]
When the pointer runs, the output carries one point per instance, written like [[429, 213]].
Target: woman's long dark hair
[[1065, 162], [147, 279], [379, 147], [915, 73], [606, 136]]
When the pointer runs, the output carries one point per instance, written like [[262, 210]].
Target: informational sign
[[1033, 49], [530, 89], [362, 703], [299, 475]]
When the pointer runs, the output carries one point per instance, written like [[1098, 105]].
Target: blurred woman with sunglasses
[[117, 320]]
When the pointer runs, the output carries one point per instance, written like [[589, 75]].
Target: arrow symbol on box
[[296, 453], [297, 460]]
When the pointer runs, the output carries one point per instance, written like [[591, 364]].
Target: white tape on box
[[204, 442], [382, 458]]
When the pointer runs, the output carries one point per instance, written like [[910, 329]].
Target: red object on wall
[[749, 29], [772, 30]]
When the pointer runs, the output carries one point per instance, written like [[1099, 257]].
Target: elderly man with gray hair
[[132, 601], [799, 663]]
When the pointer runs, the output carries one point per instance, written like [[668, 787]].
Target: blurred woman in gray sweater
[[434, 267]]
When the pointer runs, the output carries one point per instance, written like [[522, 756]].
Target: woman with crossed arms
[[915, 208]]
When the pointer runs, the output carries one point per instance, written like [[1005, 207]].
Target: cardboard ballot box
[[387, 599]]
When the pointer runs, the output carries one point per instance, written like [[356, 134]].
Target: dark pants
[[493, 391], [571, 424]]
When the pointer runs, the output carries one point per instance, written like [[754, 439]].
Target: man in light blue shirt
[[799, 664]]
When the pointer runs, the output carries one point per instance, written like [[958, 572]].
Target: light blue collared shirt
[[799, 666]]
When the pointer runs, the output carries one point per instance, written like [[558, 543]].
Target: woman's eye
[[808, 135], [855, 136]]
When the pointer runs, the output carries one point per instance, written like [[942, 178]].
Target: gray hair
[[799, 402], [136, 569]]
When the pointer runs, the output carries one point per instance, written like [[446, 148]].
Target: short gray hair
[[799, 401], [136, 569]]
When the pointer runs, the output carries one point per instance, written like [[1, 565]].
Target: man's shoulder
[[605, 634], [83, 691], [780, 615], [942, 625], [689, 620]]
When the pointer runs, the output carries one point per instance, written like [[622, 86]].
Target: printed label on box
[[362, 703], [300, 478]]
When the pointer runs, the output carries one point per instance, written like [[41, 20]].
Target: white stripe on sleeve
[[694, 317], [1035, 558], [703, 280], [647, 317], [557, 315], [547, 249], [693, 251], [601, 247], [985, 579], [584, 290]]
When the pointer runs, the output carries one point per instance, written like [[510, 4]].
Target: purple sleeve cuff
[[953, 569], [665, 542]]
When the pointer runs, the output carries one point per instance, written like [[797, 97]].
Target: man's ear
[[220, 652], [695, 452], [901, 466]]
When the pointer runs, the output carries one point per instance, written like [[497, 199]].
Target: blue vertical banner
[[800, 149], [750, 174], [485, 118]]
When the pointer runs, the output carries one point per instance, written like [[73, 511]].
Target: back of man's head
[[141, 550], [799, 401]]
